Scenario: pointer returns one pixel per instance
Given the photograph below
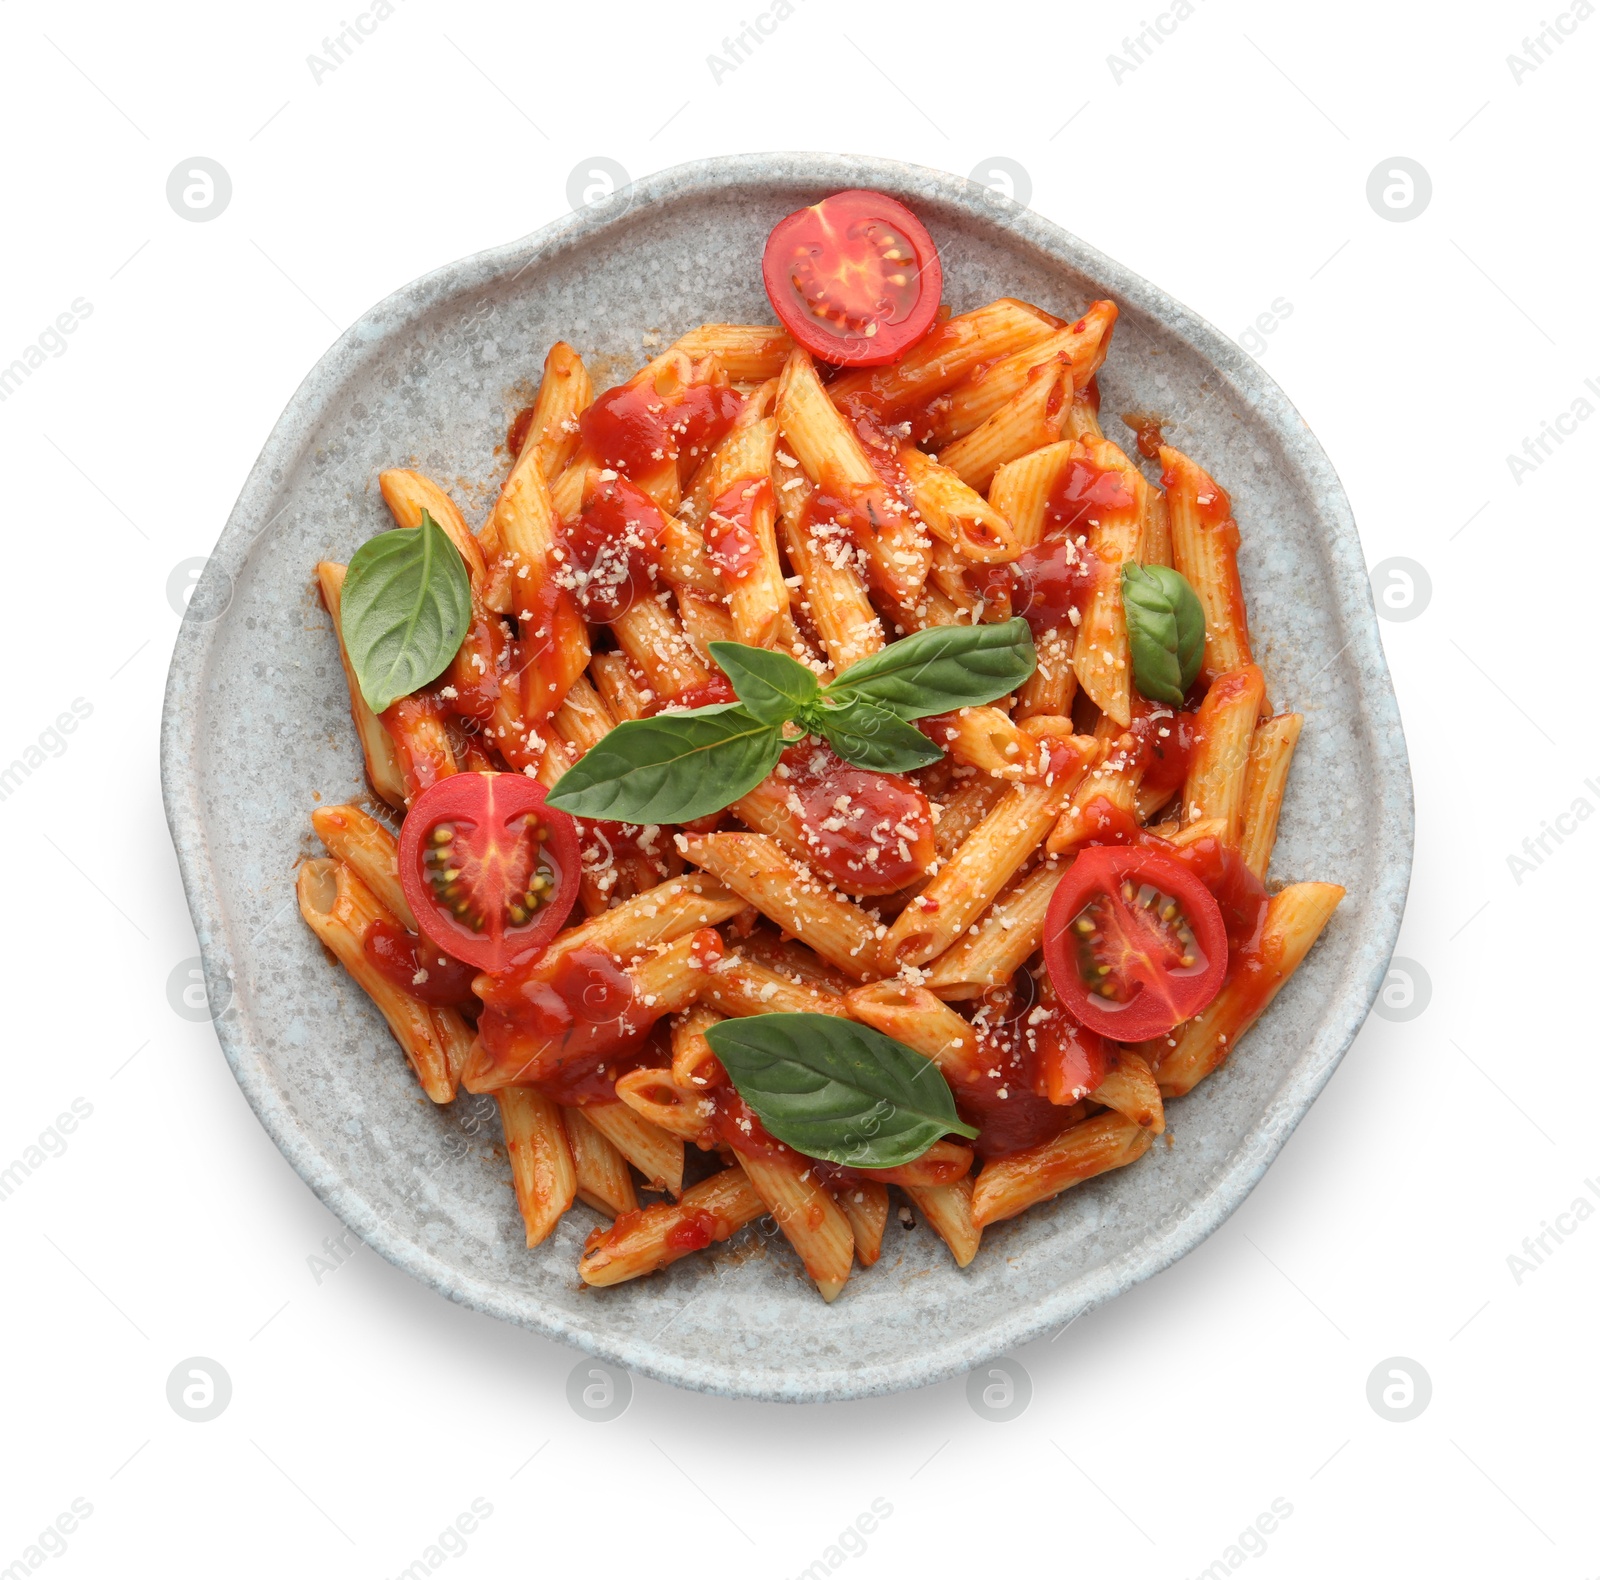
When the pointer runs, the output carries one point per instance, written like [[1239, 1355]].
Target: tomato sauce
[[1052, 583], [517, 433], [1165, 742], [634, 427], [613, 550], [731, 542], [401, 958], [538, 1018], [869, 833], [694, 1231]]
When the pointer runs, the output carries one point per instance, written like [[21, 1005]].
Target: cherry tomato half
[[1134, 942], [855, 278], [489, 870]]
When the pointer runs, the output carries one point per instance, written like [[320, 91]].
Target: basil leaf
[[672, 768], [836, 1090], [872, 737], [404, 610], [772, 686], [1166, 631], [941, 669]]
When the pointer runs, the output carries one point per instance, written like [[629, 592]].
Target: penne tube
[[749, 353], [956, 514], [913, 1015], [705, 620], [422, 744], [985, 738], [1295, 918], [1010, 1185], [790, 894], [740, 986], [949, 1211], [942, 1164], [947, 571], [684, 566], [866, 1204], [408, 494], [1155, 545], [791, 958], [369, 850], [339, 908], [620, 687], [1129, 1087], [1265, 776], [741, 537], [1053, 683], [963, 812], [603, 1180], [943, 357], [1083, 417], [652, 637], [987, 388], [650, 1239], [1024, 490], [983, 865], [573, 486], [810, 1219], [671, 910], [583, 719], [885, 530], [650, 1149], [997, 945], [693, 1063], [377, 747], [1205, 552], [834, 597], [541, 1161], [1031, 418], [1100, 655], [565, 390], [1223, 732], [656, 1097]]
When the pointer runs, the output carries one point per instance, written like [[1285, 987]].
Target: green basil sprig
[[836, 1090], [1166, 631], [404, 610], [680, 766]]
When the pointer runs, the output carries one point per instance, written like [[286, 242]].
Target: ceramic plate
[[257, 725]]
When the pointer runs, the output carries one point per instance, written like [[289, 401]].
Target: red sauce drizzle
[[869, 833], [693, 1232], [399, 956], [538, 1018], [613, 549], [731, 542], [634, 428], [517, 433]]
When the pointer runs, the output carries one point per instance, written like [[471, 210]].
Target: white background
[[366, 1412]]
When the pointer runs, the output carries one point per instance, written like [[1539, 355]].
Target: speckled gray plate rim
[[256, 721]]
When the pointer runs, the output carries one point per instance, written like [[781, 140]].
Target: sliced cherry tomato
[[1134, 942], [855, 278], [489, 870]]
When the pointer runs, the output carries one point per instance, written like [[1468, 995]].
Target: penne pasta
[[601, 1172], [408, 494], [1223, 732], [1205, 552], [949, 1211], [541, 1161], [1010, 1185], [1295, 919], [564, 391], [1030, 418], [656, 1154], [866, 1204], [368, 849], [956, 514], [377, 747], [808, 1216], [648, 1240], [1100, 655], [1265, 776], [1129, 1087], [997, 945], [339, 908], [790, 894]]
